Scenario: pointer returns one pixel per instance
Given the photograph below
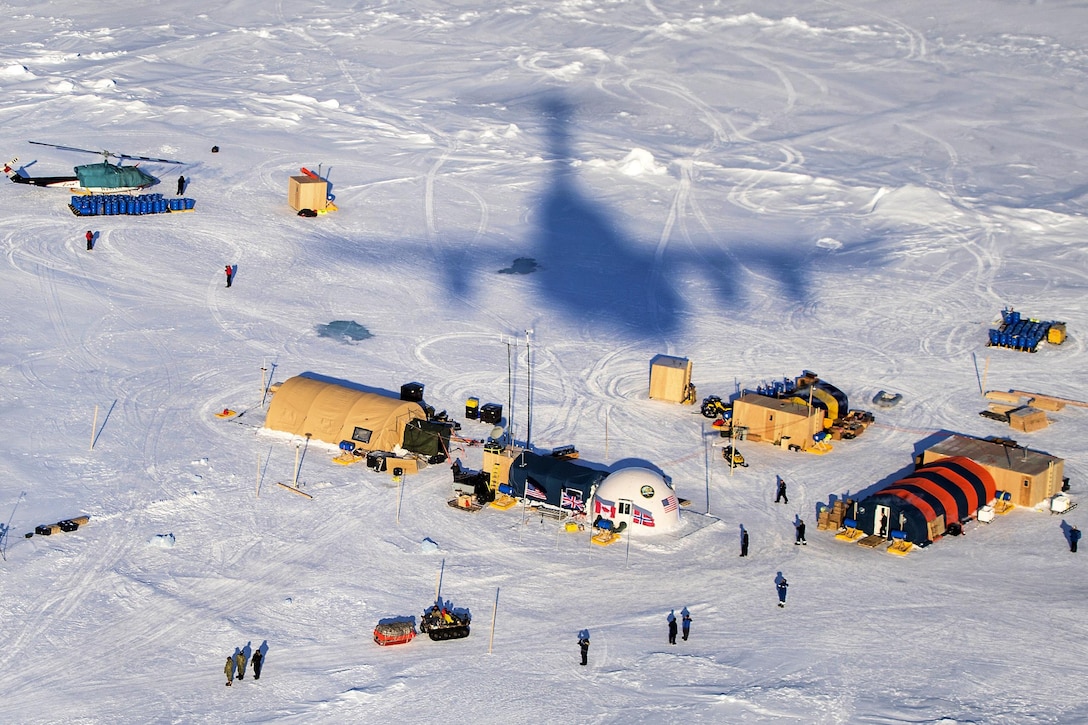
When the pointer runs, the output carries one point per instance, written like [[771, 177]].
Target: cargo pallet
[[1018, 333]]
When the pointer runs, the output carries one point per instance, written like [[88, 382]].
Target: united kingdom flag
[[572, 499], [642, 516], [669, 502]]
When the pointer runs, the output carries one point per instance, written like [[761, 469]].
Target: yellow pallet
[[819, 448], [850, 535], [1003, 507], [504, 502], [605, 538], [900, 548], [346, 459]]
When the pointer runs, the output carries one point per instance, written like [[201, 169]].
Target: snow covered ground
[[855, 188]]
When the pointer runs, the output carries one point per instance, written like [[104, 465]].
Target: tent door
[[882, 521], [623, 511]]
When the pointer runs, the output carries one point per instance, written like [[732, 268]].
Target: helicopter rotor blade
[[108, 154], [67, 148], [147, 158]]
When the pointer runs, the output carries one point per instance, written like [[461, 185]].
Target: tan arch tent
[[334, 413]]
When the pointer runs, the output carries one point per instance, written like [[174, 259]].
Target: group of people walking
[[236, 664], [685, 624]]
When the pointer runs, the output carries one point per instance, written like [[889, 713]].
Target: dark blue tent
[[542, 479]]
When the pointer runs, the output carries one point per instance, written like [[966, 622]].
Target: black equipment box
[[412, 392], [375, 460], [491, 413]]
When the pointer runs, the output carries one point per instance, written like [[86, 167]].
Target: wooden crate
[[407, 465], [306, 192], [1027, 419], [1003, 396], [1045, 403]]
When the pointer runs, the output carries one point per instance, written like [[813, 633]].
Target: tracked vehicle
[[442, 623]]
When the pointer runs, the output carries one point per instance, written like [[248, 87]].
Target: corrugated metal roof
[[786, 406], [996, 455]]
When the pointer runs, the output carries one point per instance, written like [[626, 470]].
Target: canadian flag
[[604, 507]]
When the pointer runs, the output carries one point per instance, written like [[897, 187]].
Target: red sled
[[394, 633]]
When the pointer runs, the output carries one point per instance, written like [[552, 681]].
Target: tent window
[[362, 435], [1027, 481]]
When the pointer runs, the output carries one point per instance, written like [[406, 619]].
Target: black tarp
[[543, 478]]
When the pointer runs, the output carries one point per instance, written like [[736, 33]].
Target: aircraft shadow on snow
[[592, 273]]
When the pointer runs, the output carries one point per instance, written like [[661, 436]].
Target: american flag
[[534, 491], [642, 516], [669, 502], [572, 499], [600, 506]]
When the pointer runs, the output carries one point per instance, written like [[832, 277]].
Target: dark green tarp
[[427, 438]]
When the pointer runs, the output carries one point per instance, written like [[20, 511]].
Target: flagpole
[[630, 535]]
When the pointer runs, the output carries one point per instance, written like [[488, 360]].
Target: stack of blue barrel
[[1018, 333], [118, 204]]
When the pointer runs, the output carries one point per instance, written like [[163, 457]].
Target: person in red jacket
[[90, 240], [230, 274]]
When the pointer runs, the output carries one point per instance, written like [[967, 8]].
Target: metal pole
[[297, 447], [529, 393], [400, 487], [258, 475], [264, 385], [732, 447], [494, 613], [706, 464], [94, 427], [438, 582], [509, 393]]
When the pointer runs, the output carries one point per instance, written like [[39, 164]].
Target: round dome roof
[[654, 506]]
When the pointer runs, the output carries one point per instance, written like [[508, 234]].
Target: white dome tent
[[640, 497]]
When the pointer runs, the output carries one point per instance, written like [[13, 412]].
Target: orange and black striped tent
[[923, 504]]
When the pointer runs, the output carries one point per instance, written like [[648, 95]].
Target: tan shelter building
[[332, 413], [670, 379], [772, 419], [1031, 477]]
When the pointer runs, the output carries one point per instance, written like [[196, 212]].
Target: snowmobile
[[713, 406], [734, 456], [442, 623]]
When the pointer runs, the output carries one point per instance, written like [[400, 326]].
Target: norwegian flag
[[669, 502], [534, 491], [572, 499], [642, 516], [607, 508]]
